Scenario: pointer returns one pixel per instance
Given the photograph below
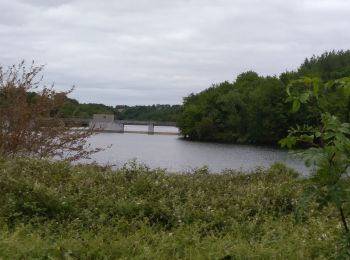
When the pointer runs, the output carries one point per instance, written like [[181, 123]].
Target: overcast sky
[[158, 51]]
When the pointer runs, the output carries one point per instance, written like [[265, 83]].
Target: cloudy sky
[[158, 51]]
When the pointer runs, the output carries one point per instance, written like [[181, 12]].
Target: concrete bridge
[[107, 123], [118, 126]]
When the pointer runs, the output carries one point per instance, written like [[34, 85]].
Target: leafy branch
[[328, 145]]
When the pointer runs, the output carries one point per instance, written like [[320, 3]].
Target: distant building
[[103, 118], [105, 122]]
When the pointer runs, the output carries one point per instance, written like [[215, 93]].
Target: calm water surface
[[175, 154]]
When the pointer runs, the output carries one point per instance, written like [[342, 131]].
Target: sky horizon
[[145, 52]]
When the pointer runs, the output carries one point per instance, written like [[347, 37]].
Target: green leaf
[[296, 106], [306, 138], [329, 84], [288, 142], [318, 134], [304, 97], [289, 99]]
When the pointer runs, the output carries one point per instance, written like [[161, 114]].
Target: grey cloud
[[46, 3], [157, 51]]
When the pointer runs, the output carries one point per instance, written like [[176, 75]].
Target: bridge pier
[[150, 129], [108, 126], [120, 127]]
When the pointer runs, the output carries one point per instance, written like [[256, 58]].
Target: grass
[[53, 210]]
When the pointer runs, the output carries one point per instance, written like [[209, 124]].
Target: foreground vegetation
[[55, 210]]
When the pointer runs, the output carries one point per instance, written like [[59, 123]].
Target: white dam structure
[[107, 123]]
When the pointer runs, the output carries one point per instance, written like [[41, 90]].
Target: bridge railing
[[136, 122], [116, 125]]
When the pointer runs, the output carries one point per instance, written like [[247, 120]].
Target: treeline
[[149, 113], [72, 108], [252, 109]]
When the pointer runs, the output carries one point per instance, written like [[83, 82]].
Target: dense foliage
[[163, 113], [329, 146], [55, 210], [74, 109], [252, 109]]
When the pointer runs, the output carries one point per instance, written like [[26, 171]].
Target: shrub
[[30, 122]]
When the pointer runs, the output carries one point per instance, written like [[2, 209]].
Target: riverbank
[[55, 210]]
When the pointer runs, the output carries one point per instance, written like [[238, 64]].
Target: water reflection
[[175, 154]]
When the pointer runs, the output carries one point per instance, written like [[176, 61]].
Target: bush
[[30, 118], [56, 210]]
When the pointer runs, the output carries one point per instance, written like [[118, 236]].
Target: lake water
[[176, 155]]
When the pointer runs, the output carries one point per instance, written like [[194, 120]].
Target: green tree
[[252, 109], [328, 142]]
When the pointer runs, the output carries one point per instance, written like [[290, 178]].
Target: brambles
[[48, 210], [30, 117]]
